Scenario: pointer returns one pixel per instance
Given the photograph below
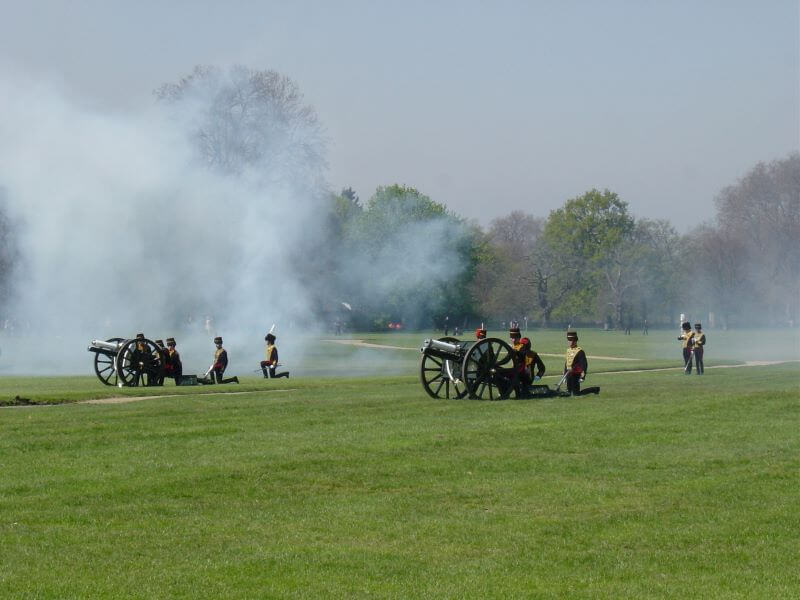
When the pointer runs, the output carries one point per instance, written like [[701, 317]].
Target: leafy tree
[[588, 234], [661, 280], [407, 258]]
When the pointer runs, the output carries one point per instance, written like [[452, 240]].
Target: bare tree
[[242, 118], [763, 211]]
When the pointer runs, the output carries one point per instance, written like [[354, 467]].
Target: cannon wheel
[[140, 367], [435, 374], [105, 365], [490, 370]]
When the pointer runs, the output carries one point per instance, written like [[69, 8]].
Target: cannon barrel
[[109, 346], [440, 346]]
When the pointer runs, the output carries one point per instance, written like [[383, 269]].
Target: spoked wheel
[[140, 363], [490, 370], [105, 365], [440, 377]]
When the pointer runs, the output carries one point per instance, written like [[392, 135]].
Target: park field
[[663, 486]]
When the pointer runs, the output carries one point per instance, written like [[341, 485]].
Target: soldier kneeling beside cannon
[[491, 369], [143, 362], [129, 363]]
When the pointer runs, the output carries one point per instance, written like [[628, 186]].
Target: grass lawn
[[663, 486]]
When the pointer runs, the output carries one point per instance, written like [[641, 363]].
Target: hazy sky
[[487, 107]]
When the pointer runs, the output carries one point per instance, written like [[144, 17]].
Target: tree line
[[592, 261], [402, 257]]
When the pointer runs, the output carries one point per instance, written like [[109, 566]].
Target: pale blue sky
[[487, 107]]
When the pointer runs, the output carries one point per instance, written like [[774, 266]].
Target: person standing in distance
[[687, 341], [698, 349]]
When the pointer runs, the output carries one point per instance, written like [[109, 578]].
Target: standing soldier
[[699, 347], [269, 365], [219, 365], [687, 340], [173, 366], [576, 367], [480, 333]]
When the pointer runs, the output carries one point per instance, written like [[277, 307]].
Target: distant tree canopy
[[589, 261], [402, 257], [746, 265]]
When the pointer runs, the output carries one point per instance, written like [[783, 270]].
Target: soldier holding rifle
[[687, 342], [217, 368], [576, 366], [270, 364]]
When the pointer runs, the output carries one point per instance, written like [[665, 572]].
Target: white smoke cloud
[[121, 230]]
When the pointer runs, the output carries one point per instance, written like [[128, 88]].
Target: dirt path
[[124, 399], [364, 344], [749, 363]]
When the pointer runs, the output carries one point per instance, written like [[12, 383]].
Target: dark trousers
[[687, 360], [574, 384], [270, 371], [175, 374], [215, 376], [698, 357]]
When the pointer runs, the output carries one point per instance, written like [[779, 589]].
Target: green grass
[[663, 486]]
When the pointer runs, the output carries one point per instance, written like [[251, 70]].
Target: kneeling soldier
[[269, 366], [173, 367], [218, 366], [576, 366]]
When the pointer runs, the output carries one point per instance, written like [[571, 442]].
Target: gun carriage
[[487, 369], [128, 363]]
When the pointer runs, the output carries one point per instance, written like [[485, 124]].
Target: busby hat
[[698, 325], [171, 341], [269, 338], [217, 340], [513, 330], [685, 326], [160, 343], [572, 335], [139, 336]]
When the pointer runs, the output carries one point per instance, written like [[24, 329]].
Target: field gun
[[484, 369], [128, 362]]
